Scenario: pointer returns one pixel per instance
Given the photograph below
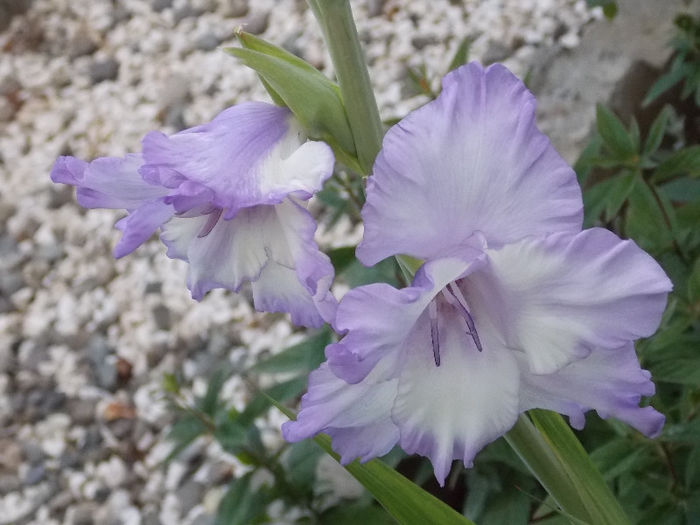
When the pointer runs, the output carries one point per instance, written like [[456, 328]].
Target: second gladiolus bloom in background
[[229, 197]]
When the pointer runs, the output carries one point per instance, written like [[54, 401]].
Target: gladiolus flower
[[228, 196], [515, 307]]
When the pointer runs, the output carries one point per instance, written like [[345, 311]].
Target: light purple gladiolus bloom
[[228, 196], [515, 307]]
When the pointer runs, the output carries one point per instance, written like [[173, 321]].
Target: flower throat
[[453, 295]]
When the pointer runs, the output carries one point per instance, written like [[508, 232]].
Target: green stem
[[537, 455], [335, 18]]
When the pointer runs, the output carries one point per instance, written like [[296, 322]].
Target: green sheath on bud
[[292, 82]]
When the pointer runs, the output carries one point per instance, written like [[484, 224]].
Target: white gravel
[[71, 316]]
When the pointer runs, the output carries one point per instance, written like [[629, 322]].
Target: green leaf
[[595, 494], [461, 56], [617, 140], [546, 465], [682, 189], [354, 513], [595, 201], [349, 62], [405, 501], [210, 400], [183, 432], [618, 193], [679, 371], [261, 402], [682, 433], [692, 469], [610, 10], [170, 383], [635, 134], [302, 357], [617, 457], [657, 131], [694, 285], [511, 507], [232, 436], [241, 505], [586, 161], [609, 7], [357, 274], [341, 258], [313, 99], [685, 161], [301, 461], [645, 221], [666, 82]]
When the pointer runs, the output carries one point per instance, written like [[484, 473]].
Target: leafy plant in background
[[685, 66], [640, 183], [647, 187]]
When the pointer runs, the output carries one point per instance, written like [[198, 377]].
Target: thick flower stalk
[[515, 307], [228, 197]]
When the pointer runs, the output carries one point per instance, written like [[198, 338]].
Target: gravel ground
[[84, 339]]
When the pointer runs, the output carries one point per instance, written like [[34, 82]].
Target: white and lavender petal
[[472, 160], [107, 182], [357, 416], [558, 297], [140, 224], [611, 382], [272, 247], [453, 410], [250, 154]]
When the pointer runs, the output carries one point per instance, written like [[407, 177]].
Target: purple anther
[[461, 303], [434, 331]]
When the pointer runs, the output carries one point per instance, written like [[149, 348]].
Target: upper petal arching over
[[250, 154], [471, 160]]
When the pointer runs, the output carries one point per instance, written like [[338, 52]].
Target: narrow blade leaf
[[405, 501]]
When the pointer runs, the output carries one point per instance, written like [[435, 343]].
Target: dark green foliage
[[647, 189], [685, 68], [609, 7]]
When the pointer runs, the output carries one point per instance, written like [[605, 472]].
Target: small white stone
[[111, 472]]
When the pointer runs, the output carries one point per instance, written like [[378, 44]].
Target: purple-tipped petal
[[68, 170], [560, 296], [357, 417], [608, 381], [453, 410], [107, 182], [472, 160], [140, 224], [249, 154]]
